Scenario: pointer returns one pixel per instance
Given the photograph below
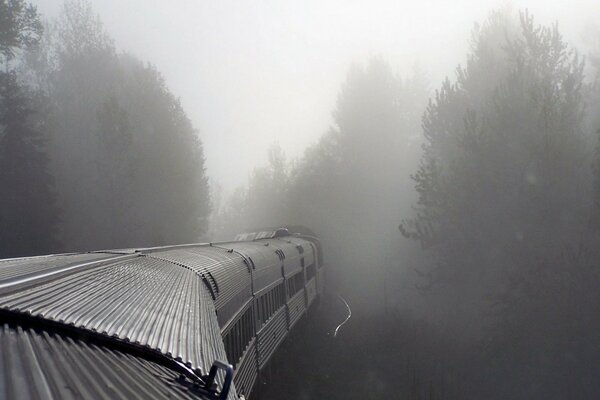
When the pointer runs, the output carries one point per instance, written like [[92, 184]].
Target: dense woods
[[493, 269], [347, 187], [461, 219], [96, 151]]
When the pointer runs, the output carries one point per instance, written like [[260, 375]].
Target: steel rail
[[347, 317]]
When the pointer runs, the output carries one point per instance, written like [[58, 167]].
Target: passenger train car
[[191, 321]]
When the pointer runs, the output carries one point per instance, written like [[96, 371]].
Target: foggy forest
[[459, 215]]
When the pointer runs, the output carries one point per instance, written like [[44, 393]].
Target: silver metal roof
[[38, 364], [13, 269], [153, 303]]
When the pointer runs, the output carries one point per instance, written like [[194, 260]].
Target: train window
[[281, 295], [260, 310], [269, 303], [245, 330], [295, 284], [236, 342], [310, 272], [237, 339], [228, 347]]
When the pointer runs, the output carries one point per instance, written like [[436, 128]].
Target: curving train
[[198, 321]]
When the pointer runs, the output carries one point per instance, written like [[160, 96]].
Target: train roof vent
[[280, 254], [249, 263], [210, 283]]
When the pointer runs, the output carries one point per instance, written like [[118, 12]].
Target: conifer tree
[[28, 211]]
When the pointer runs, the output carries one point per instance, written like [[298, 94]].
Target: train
[[193, 321]]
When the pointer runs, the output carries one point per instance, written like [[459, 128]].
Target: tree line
[[95, 151], [475, 208], [508, 208], [483, 202]]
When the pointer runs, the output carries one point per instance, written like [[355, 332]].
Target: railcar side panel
[[247, 371], [296, 307], [222, 270], [311, 292], [271, 335]]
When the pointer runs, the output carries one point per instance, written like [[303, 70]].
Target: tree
[[129, 165], [116, 166], [28, 211], [354, 182], [493, 153], [504, 198], [20, 27]]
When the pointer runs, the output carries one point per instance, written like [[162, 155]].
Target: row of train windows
[[268, 303], [295, 284], [239, 336]]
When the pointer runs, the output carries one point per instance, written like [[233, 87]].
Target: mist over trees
[[120, 158], [28, 212], [495, 179], [505, 176], [347, 187], [461, 224], [505, 203]]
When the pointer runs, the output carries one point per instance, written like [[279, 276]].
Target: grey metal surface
[[296, 308], [271, 335], [247, 372], [146, 301], [308, 248], [13, 270], [268, 267], [37, 364], [292, 262], [162, 299], [225, 272], [320, 280], [311, 291]]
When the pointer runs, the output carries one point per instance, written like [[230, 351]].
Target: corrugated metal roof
[[307, 246], [224, 271], [267, 265], [157, 304], [38, 364], [291, 263], [18, 268]]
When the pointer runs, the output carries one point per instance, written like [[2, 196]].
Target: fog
[[251, 74], [446, 155]]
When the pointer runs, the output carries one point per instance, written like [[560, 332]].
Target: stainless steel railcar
[[151, 322]]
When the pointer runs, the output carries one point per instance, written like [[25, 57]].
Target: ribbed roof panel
[[15, 268], [143, 300], [225, 271], [38, 364]]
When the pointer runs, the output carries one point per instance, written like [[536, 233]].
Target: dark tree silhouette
[[28, 211], [504, 201], [20, 27], [128, 163]]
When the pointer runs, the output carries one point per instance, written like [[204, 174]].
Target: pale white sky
[[251, 73]]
